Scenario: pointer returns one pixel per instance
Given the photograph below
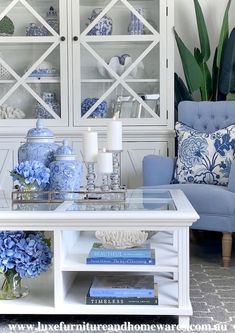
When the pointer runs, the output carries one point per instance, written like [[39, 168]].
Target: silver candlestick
[[105, 182], [91, 176], [116, 175]]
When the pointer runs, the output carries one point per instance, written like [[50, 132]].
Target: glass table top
[[136, 200]]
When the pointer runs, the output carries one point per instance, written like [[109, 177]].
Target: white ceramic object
[[45, 69], [4, 74], [121, 239], [9, 112], [119, 68]]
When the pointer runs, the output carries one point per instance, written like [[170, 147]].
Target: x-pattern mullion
[[96, 20], [21, 80], [140, 17], [9, 69], [39, 17], [112, 4], [33, 12], [120, 79], [8, 8]]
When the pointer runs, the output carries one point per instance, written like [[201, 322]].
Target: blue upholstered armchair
[[214, 203]]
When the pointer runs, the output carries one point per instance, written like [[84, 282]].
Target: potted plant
[[217, 83]]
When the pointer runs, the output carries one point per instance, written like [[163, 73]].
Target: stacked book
[[123, 290], [142, 255]]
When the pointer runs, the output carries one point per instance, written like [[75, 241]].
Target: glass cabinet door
[[121, 45], [33, 62]]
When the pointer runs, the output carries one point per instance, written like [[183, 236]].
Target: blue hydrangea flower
[[28, 254], [31, 172]]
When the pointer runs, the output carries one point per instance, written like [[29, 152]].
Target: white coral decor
[[9, 112], [121, 239]]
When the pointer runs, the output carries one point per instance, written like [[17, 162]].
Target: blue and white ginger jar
[[39, 146], [50, 99], [105, 25], [65, 171]]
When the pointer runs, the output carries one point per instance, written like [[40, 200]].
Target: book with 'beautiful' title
[[122, 260], [99, 251]]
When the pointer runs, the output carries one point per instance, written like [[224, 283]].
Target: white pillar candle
[[90, 146], [105, 162], [114, 135]]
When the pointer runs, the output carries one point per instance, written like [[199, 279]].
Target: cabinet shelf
[[76, 296], [166, 256], [127, 80], [39, 300], [89, 3], [28, 40], [119, 38], [35, 80]]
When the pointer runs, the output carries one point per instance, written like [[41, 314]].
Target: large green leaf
[[215, 78], [192, 71], [224, 32], [216, 95], [206, 85], [227, 75], [181, 91], [202, 32]]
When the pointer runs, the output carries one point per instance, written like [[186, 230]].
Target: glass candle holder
[[115, 177], [91, 176]]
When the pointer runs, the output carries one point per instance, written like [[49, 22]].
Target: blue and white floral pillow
[[204, 158]]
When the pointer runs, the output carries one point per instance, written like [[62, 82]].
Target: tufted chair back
[[207, 117]]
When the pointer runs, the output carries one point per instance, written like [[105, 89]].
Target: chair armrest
[[158, 170], [231, 179]]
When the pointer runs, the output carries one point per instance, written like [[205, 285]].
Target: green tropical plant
[[217, 83], [227, 80]]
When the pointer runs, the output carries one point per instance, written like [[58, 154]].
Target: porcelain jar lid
[[51, 12], [65, 152], [40, 131]]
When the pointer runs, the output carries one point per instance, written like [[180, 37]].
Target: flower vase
[[29, 192], [11, 287]]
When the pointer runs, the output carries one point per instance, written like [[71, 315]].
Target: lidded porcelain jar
[[50, 99], [52, 19], [65, 171], [103, 27], [39, 146]]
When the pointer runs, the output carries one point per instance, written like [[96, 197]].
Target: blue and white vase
[[50, 99], [103, 27], [136, 26], [65, 172], [39, 146]]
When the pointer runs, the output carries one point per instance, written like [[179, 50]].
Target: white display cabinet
[[22, 53], [144, 80], [140, 92]]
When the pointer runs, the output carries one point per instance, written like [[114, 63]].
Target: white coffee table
[[71, 226]]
